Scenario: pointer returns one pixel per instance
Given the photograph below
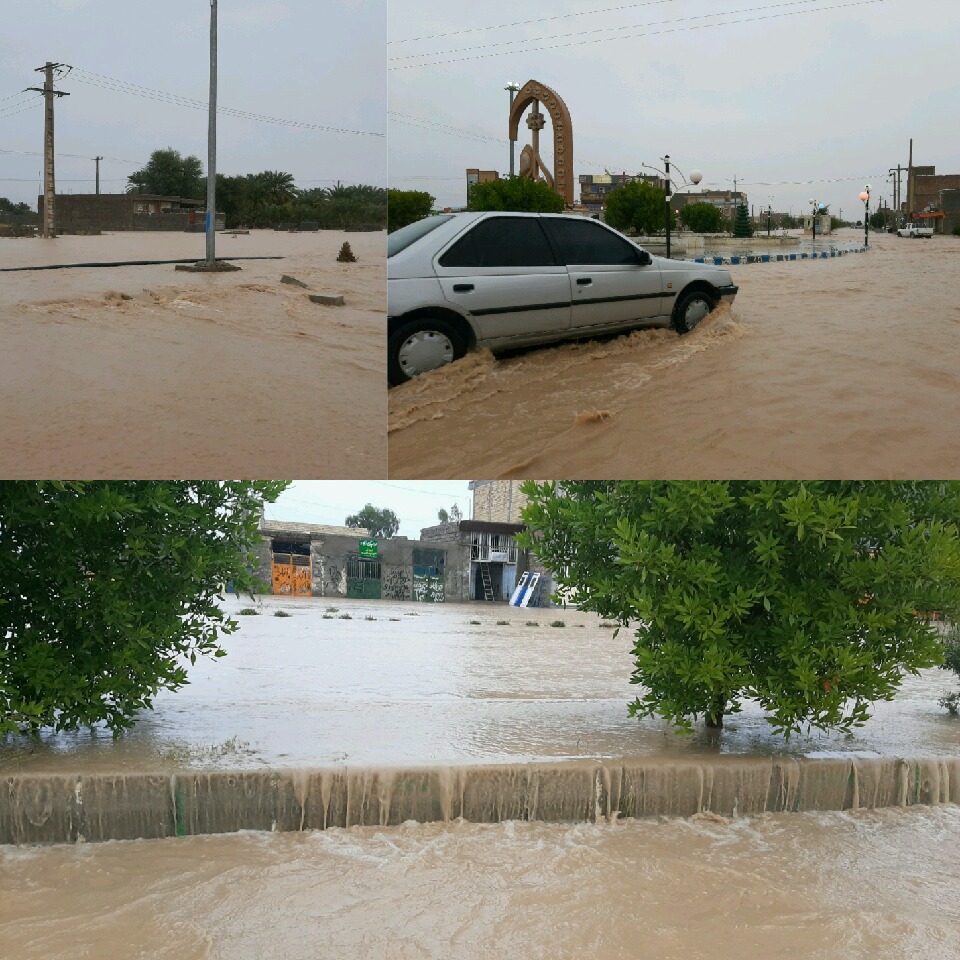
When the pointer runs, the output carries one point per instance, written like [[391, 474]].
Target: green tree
[[701, 217], [18, 209], [382, 524], [804, 596], [741, 226], [951, 661], [639, 205], [516, 194], [878, 219], [108, 588], [407, 206], [168, 174]]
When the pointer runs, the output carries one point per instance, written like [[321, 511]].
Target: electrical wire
[[536, 20], [616, 29], [622, 36], [134, 89]]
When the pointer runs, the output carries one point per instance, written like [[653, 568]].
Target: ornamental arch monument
[[533, 93]]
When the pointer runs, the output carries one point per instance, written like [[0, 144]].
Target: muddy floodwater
[[142, 371], [843, 367], [828, 886], [409, 684]]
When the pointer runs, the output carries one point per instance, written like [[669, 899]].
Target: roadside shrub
[[951, 661], [280, 613], [475, 623], [956, 230], [531, 623], [503, 623], [557, 623], [249, 612], [345, 616]]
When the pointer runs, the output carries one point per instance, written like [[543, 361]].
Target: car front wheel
[[691, 308], [423, 344]]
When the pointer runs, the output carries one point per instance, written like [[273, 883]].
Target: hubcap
[[695, 312], [424, 350]]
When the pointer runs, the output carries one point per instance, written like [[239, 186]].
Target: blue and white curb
[[778, 257]]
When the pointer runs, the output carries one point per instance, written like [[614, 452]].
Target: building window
[[361, 569], [428, 563], [496, 547]]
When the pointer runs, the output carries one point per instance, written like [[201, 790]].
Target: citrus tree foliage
[[109, 588], [382, 523], [702, 217], [639, 205], [805, 596], [407, 206], [519, 194]]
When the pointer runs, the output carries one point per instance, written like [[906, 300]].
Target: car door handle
[[584, 281], [462, 287]]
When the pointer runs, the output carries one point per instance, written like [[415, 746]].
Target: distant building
[[594, 188], [93, 212], [925, 194], [475, 176], [726, 201], [304, 559]]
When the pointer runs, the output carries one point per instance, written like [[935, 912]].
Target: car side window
[[585, 242], [502, 242]]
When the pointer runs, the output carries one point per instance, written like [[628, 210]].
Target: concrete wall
[[90, 213], [70, 808]]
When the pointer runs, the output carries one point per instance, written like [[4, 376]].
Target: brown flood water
[[827, 886], [842, 367], [195, 375]]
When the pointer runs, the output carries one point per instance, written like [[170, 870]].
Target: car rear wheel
[[423, 344], [691, 308]]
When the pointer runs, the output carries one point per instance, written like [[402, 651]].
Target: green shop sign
[[368, 548]]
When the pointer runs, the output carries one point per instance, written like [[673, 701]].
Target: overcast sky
[[319, 64], [812, 90], [415, 502]]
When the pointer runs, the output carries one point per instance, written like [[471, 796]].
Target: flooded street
[[421, 685], [841, 367], [828, 886], [141, 371]]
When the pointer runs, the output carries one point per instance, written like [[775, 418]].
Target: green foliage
[[835, 223], [382, 523], [269, 198], [517, 194], [800, 595], [407, 206], [249, 612], [557, 623], [741, 225], [17, 209], [281, 613], [109, 588], [956, 230], [951, 661], [168, 174], [878, 220], [638, 205], [701, 217]]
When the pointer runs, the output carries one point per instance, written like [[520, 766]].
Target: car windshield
[[412, 232]]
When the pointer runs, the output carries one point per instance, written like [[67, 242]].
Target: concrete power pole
[[98, 159], [212, 142], [49, 185]]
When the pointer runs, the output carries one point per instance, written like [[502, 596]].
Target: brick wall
[[498, 501], [90, 213]]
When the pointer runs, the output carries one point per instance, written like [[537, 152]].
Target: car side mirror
[[644, 258]]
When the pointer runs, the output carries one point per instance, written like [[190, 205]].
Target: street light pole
[[813, 218], [865, 197], [666, 167], [512, 87]]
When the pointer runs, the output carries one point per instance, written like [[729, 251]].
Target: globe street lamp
[[865, 197], [512, 87], [813, 217]]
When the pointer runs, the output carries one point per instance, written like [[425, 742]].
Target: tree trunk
[[714, 717]]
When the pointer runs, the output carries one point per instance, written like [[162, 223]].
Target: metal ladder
[[485, 580]]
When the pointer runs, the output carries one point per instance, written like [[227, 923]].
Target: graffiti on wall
[[396, 585], [428, 589]]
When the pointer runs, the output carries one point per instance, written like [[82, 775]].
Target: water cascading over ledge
[[67, 808]]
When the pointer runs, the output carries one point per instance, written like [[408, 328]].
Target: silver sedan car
[[503, 280]]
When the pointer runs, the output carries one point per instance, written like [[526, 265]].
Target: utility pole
[[212, 143], [910, 181], [97, 160], [49, 186]]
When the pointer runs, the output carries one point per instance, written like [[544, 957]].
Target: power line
[[537, 20], [149, 93], [649, 33], [27, 106], [616, 29]]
